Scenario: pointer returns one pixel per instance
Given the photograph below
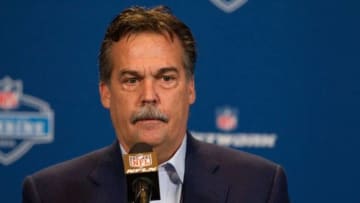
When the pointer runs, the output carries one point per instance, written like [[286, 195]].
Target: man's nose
[[149, 94]]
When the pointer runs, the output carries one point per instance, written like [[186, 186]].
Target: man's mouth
[[134, 121]]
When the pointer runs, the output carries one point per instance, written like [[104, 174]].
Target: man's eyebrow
[[164, 70], [128, 72], [134, 73]]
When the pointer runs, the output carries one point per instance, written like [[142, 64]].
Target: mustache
[[148, 112]]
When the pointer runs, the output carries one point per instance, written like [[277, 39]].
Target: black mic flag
[[141, 174]]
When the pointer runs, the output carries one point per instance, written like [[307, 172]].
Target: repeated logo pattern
[[24, 121], [228, 6]]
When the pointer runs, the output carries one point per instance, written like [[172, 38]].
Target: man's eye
[[168, 78], [168, 81], [131, 80]]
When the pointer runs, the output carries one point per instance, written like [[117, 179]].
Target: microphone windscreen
[[140, 148]]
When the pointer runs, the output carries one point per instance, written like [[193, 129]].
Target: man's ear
[[191, 91], [105, 94]]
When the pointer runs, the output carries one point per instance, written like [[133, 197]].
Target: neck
[[164, 153]]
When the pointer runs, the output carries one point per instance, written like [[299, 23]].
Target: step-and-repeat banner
[[277, 78]]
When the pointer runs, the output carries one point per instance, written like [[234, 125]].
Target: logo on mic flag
[[140, 160]]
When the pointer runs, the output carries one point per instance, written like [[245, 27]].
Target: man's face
[[148, 94]]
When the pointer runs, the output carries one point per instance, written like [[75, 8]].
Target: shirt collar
[[178, 160]]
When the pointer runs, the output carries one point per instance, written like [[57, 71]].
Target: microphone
[[141, 174]]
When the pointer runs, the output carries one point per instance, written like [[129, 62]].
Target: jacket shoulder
[[232, 157], [247, 175], [76, 180], [74, 168]]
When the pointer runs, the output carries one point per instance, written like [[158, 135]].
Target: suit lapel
[[202, 182], [109, 178]]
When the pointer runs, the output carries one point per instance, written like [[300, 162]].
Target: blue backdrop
[[281, 77]]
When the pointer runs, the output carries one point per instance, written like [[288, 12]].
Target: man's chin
[[152, 137]]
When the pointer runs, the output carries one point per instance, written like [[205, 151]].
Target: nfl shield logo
[[140, 160], [10, 91], [226, 119], [228, 6]]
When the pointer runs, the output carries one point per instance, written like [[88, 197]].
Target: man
[[147, 64]]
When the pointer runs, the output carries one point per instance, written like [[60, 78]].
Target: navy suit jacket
[[213, 174]]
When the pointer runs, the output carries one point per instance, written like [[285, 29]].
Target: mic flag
[[141, 170]]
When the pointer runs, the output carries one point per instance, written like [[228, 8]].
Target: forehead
[[147, 48]]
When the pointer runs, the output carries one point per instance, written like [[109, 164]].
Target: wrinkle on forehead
[[147, 46], [146, 53]]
